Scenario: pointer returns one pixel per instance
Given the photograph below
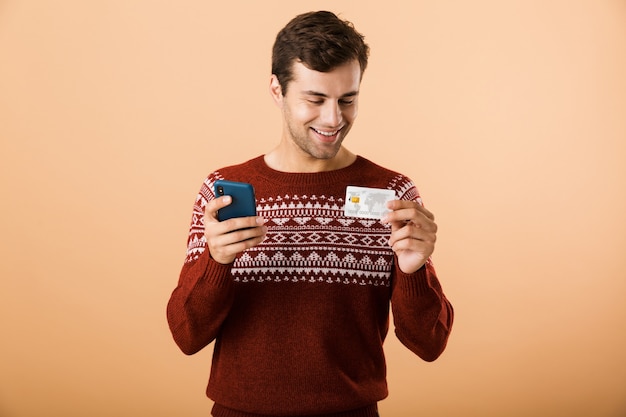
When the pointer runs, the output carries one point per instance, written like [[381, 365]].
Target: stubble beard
[[309, 146]]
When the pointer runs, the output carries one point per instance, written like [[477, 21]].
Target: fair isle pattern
[[309, 240], [405, 189], [196, 243]]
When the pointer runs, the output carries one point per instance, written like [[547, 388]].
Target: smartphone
[[243, 202]]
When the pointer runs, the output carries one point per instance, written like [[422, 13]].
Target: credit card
[[368, 203]]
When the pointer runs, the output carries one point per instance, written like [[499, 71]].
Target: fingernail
[[260, 220]]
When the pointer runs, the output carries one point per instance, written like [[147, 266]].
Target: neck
[[280, 159]]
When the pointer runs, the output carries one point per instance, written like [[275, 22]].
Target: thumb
[[210, 210]]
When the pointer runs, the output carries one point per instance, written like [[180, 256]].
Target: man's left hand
[[413, 233]]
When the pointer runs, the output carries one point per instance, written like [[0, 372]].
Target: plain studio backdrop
[[509, 115]]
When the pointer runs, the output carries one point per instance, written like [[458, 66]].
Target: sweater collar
[[307, 178]]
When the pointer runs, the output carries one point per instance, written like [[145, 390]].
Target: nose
[[331, 114]]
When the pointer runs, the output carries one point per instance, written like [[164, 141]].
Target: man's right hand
[[228, 238]]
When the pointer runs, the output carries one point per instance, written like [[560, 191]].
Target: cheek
[[303, 114], [351, 113]]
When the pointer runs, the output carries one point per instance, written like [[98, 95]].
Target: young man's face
[[319, 109]]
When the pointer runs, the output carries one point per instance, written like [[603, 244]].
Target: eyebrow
[[318, 94]]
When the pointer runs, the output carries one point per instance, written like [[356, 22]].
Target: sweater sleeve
[[204, 295], [200, 303], [422, 314]]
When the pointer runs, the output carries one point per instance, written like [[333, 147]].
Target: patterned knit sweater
[[299, 320]]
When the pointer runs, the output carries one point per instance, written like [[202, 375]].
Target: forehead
[[343, 79]]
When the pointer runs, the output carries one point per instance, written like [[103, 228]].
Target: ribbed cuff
[[415, 284], [368, 411], [210, 272]]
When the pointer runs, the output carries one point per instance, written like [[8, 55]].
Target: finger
[[226, 244], [413, 252], [413, 245], [395, 205], [210, 210], [241, 235], [405, 217], [412, 232], [239, 223], [398, 235], [422, 243], [426, 212]]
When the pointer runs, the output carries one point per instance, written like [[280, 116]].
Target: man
[[297, 298]]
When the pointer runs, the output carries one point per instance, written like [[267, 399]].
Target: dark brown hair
[[319, 40]]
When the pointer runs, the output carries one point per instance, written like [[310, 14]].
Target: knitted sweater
[[299, 320]]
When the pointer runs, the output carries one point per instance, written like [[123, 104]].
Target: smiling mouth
[[327, 134]]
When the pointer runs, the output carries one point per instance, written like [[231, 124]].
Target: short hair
[[319, 40]]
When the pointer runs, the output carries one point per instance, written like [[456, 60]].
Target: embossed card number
[[369, 203]]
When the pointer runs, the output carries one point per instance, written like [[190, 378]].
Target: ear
[[276, 91]]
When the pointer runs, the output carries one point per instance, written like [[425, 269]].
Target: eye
[[316, 102], [346, 102]]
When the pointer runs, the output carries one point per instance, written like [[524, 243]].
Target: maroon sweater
[[299, 320]]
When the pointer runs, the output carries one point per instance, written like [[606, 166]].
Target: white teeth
[[326, 133]]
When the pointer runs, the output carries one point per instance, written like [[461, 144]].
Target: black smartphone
[[243, 202]]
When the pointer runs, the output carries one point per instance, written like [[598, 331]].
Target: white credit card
[[369, 203]]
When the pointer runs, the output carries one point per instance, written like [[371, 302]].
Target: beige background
[[509, 115]]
